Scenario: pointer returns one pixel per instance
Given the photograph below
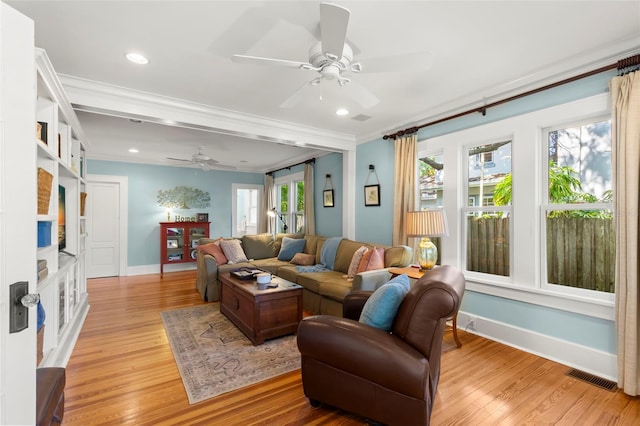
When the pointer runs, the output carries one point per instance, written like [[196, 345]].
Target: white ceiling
[[479, 51]]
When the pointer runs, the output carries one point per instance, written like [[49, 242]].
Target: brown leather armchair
[[386, 377]]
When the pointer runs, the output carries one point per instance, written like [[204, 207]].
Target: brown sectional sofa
[[323, 292]]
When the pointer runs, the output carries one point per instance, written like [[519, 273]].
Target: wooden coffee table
[[261, 314]]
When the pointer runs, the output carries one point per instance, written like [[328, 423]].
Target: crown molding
[[547, 74], [92, 96], [56, 91]]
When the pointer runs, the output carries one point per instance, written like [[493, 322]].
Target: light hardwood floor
[[122, 371]]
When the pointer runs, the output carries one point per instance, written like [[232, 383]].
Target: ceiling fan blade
[[334, 20], [295, 97], [398, 63], [244, 59], [179, 159], [361, 95]]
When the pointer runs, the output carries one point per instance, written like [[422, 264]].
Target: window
[[578, 218], [431, 178], [245, 217], [525, 215], [290, 203], [488, 225]]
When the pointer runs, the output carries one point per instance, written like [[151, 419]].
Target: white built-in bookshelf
[[61, 154]]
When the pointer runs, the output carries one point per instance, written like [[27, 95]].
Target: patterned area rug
[[214, 357]]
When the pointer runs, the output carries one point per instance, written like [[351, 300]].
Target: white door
[[245, 210], [105, 222], [18, 238]]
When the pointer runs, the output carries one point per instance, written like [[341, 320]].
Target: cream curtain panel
[[625, 135], [267, 224], [309, 204], [404, 189]]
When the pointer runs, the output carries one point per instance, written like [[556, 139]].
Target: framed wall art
[[372, 195], [327, 198]]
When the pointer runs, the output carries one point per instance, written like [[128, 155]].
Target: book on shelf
[[42, 273], [42, 263]]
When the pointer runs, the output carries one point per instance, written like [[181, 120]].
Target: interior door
[[245, 208], [103, 228], [18, 237]]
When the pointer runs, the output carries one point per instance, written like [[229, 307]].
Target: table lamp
[[425, 224]]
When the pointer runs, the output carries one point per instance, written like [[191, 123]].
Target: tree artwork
[[183, 197]]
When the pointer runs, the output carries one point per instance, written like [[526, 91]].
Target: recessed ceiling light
[[133, 150], [137, 58], [342, 111]]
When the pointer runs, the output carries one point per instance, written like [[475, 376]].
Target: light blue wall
[[145, 213], [580, 329], [329, 219], [374, 223]]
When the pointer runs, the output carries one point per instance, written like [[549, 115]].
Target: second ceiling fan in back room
[[332, 58], [203, 161]]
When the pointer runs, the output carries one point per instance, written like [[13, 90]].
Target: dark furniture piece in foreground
[[261, 314], [50, 383], [386, 377]]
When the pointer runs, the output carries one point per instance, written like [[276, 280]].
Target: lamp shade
[[427, 223]]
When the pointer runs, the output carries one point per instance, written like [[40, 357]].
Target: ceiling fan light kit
[[330, 57]]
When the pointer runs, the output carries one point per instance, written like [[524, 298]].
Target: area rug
[[215, 357]]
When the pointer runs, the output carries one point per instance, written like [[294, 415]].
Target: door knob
[[19, 303], [30, 300]]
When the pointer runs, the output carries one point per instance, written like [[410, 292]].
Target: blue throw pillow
[[291, 246], [382, 306]]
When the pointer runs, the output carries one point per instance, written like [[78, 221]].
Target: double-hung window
[[289, 196], [579, 237], [488, 213]]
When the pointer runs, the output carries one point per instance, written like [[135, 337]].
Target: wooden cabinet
[[261, 314], [179, 240], [60, 156]]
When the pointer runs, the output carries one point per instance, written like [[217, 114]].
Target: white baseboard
[[155, 269], [599, 363]]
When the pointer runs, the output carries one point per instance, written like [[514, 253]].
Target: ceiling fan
[[332, 59], [202, 160]]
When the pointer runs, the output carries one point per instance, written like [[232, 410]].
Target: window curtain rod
[[632, 61], [309, 161]]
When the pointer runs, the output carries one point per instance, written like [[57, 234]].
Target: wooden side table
[[416, 274]]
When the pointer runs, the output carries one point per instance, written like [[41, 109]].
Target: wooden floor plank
[[122, 371]]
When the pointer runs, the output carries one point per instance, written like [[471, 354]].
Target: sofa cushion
[[355, 262], [214, 250], [289, 273], [260, 246], [372, 260], [312, 280], [271, 264], [290, 246], [311, 244], [397, 256], [233, 266], [303, 259], [233, 251], [335, 289], [344, 254], [382, 306]]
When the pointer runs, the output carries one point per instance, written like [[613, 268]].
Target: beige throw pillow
[[355, 262], [233, 251]]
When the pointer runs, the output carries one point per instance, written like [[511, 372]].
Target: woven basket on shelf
[[44, 190], [83, 198]]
